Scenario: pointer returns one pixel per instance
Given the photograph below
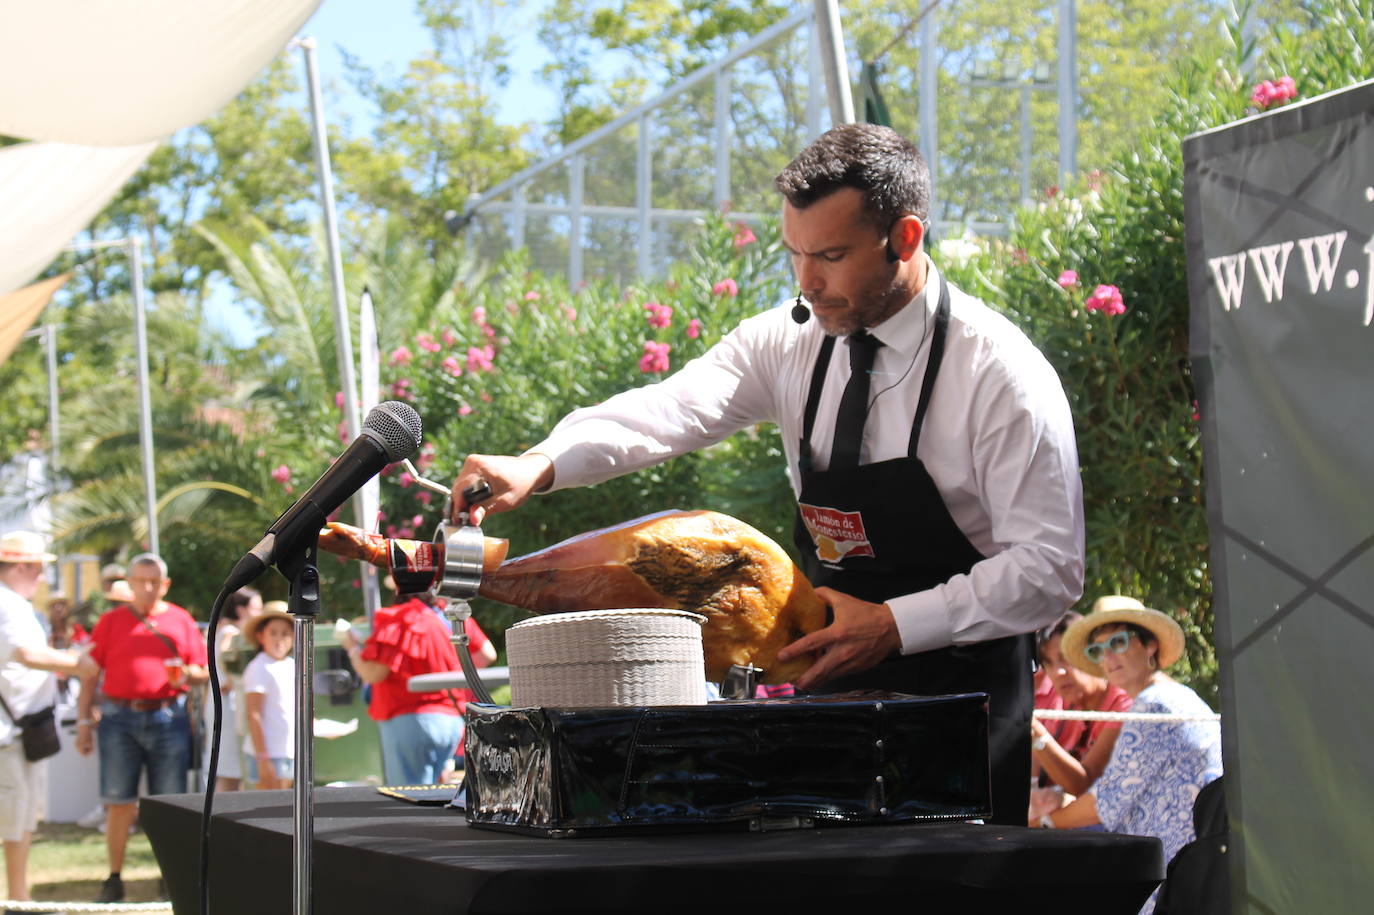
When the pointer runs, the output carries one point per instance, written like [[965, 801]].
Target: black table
[[378, 855]]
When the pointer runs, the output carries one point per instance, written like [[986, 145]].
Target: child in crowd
[[269, 691]]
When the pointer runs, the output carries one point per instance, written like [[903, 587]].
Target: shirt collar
[[905, 331]]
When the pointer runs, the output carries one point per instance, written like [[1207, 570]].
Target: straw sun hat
[[1113, 609], [23, 547], [250, 628]]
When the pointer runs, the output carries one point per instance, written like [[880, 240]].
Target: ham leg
[[754, 598]]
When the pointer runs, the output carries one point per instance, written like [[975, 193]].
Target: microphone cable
[[212, 772]]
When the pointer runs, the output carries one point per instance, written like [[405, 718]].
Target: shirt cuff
[[922, 621]]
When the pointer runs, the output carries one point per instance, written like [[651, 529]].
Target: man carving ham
[[950, 455]]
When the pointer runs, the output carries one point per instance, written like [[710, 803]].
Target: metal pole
[[576, 177], [145, 406], [836, 67], [1025, 144], [724, 136], [815, 80], [518, 199], [929, 113], [1068, 89], [342, 329], [644, 164], [50, 340]]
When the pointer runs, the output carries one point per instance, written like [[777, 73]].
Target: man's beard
[[874, 309]]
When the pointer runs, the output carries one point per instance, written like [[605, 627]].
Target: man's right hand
[[85, 739], [512, 481]]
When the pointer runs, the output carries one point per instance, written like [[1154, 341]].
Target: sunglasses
[[1116, 643]]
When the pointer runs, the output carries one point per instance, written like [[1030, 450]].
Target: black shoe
[[112, 890]]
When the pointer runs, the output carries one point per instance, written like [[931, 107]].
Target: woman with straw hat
[[1157, 767]]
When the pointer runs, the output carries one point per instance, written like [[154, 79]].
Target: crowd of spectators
[[136, 667], [1142, 776]]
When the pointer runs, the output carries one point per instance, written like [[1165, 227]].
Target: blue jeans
[[416, 747], [129, 741]]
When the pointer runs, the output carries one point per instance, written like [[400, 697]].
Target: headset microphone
[[800, 313]]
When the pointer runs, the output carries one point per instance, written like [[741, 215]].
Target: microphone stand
[[303, 603]]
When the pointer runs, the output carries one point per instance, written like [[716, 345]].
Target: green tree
[[436, 140], [251, 158]]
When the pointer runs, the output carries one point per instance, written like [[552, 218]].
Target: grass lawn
[[67, 864]]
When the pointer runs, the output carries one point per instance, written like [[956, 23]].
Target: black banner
[[1280, 233]]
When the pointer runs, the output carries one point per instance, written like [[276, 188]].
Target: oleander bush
[[1096, 275]]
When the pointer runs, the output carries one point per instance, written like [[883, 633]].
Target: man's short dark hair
[[880, 162]]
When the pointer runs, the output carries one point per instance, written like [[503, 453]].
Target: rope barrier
[[1075, 715], [48, 905]]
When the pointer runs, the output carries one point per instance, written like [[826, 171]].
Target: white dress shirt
[[997, 441]]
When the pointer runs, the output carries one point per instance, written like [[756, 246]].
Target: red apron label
[[837, 534]]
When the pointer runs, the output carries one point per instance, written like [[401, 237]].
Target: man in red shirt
[[149, 652]]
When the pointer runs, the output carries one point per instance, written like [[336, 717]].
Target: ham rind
[[754, 598]]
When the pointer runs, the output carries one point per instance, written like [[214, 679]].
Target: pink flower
[[464, 409], [693, 329], [1068, 279], [452, 366], [531, 296], [400, 355], [406, 533], [570, 312], [282, 474], [659, 315], [343, 432], [424, 497], [357, 583], [489, 331], [449, 336], [655, 358], [417, 520], [726, 286], [427, 342], [480, 358], [744, 235], [405, 479], [339, 399], [479, 315], [390, 531], [484, 396], [1106, 299], [426, 458], [1269, 93], [400, 389]]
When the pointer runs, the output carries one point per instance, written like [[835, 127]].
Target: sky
[[387, 34]]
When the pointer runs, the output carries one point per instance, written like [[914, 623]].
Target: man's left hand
[[861, 635]]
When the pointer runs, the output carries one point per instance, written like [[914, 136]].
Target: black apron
[[882, 530]]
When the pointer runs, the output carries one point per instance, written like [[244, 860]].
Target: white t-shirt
[[25, 689], [276, 680]]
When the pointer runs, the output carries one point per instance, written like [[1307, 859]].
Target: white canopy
[[112, 73], [51, 191]]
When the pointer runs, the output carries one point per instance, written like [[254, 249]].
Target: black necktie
[[849, 424]]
